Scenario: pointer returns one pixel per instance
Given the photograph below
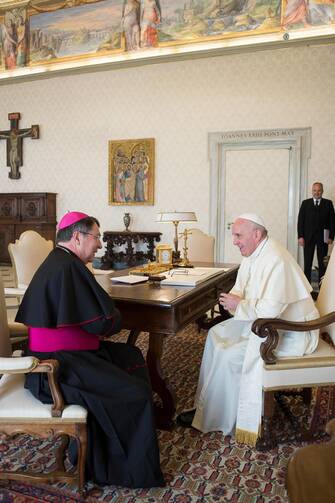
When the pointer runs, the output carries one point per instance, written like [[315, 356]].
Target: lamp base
[[184, 263], [176, 257]]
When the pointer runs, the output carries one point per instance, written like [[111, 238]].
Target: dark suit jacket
[[312, 221]]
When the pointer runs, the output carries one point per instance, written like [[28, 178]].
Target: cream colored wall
[[178, 104]]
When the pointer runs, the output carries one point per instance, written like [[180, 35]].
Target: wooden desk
[[162, 311]]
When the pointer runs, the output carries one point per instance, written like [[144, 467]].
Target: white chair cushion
[[308, 370], [17, 403]]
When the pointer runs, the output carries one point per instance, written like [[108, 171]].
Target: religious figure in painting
[[21, 45], [130, 23], [14, 38], [141, 169], [295, 11], [150, 18], [130, 183], [9, 42], [120, 161], [322, 11]]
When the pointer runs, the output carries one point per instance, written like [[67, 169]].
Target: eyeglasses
[[98, 237], [178, 271]]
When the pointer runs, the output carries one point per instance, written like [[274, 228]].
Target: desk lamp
[[175, 217]]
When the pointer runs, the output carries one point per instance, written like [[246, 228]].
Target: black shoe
[[185, 419]]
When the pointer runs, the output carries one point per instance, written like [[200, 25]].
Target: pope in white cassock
[[269, 284]]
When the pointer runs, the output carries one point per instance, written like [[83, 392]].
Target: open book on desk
[[190, 277]]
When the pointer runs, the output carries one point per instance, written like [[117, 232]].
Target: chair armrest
[[15, 292], [267, 328], [21, 365], [16, 328], [51, 367], [30, 364]]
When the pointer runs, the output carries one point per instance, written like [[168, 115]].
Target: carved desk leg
[[132, 337], [164, 414]]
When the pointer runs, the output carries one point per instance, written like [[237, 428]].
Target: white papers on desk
[[97, 272], [191, 276], [130, 279]]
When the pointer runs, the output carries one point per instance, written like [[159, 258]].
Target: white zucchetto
[[253, 218]]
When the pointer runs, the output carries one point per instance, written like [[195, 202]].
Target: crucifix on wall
[[14, 142]]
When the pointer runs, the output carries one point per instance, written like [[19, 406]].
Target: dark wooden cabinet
[[24, 211]]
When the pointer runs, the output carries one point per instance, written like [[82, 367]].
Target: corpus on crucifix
[[13, 139]]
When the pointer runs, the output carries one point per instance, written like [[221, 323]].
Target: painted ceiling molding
[[40, 37]]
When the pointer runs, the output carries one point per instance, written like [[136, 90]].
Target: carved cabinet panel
[[24, 211], [9, 209]]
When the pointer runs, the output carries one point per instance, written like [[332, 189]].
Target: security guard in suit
[[316, 226]]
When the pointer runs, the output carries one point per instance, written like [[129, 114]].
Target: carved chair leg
[[307, 396], [82, 448], [266, 441]]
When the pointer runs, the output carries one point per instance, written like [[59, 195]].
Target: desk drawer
[[197, 306]]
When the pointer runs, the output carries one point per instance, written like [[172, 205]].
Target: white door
[[256, 181], [262, 171]]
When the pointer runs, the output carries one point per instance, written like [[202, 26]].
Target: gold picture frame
[[131, 171]]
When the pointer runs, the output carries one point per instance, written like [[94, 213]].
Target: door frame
[[296, 140]]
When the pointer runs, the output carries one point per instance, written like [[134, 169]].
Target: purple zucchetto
[[71, 218]]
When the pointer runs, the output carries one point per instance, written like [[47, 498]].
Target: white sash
[[249, 414]]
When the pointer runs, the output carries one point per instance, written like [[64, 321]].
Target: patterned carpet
[[198, 467]]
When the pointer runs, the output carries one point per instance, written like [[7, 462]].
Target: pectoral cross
[[14, 142]]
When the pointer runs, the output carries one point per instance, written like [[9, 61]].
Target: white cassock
[[229, 395]]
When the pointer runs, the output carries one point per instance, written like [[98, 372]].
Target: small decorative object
[[164, 255], [151, 269], [131, 171], [175, 217], [185, 261], [126, 220]]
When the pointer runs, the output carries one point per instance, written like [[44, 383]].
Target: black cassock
[[112, 383]]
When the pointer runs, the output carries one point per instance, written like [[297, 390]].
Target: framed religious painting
[[131, 171]]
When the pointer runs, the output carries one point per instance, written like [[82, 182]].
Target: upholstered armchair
[[21, 412], [201, 249], [200, 246], [12, 335], [306, 372], [27, 254]]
